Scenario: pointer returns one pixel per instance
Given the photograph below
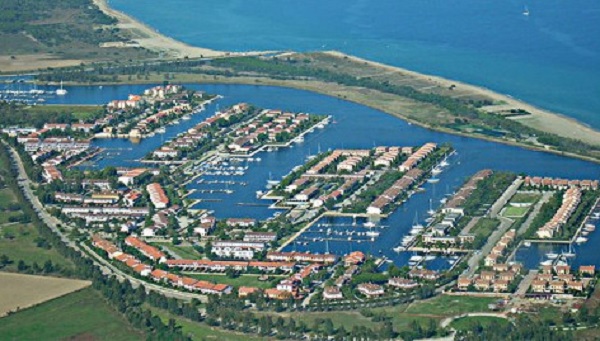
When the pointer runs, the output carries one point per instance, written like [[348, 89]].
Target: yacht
[[161, 130], [580, 240], [527, 244], [552, 255], [372, 234], [436, 170], [526, 11], [186, 118], [61, 91], [433, 180], [369, 224], [546, 262]]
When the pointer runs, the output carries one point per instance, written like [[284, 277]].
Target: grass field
[[467, 323], [18, 242], [244, 280], [199, 331], [451, 305], [525, 197], [186, 252], [82, 315], [484, 227], [515, 212], [79, 112], [20, 291]]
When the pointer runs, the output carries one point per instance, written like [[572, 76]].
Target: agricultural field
[[20, 291], [82, 315]]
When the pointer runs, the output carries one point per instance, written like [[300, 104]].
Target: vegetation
[[80, 315], [71, 29]]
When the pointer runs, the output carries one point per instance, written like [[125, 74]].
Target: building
[[371, 290], [402, 283], [332, 293], [158, 197]]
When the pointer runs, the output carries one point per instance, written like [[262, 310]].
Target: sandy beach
[[540, 119]]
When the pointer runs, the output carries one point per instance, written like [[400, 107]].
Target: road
[[536, 209], [53, 223]]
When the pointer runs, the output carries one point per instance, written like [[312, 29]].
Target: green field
[[78, 112], [82, 315], [467, 323], [243, 280], [515, 212], [186, 252], [525, 197], [200, 331], [451, 305], [18, 242], [484, 227]]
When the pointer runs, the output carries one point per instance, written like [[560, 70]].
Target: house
[[158, 197], [482, 284], [538, 285], [370, 289], [500, 285], [463, 283], [277, 294], [402, 283], [247, 291], [557, 287], [587, 270], [488, 275], [332, 293], [354, 258], [575, 285]]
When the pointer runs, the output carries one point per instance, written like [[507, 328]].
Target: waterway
[[355, 126]]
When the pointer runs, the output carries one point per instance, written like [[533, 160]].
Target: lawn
[[82, 315], [446, 305], [18, 242], [484, 227], [515, 212], [200, 331], [243, 280], [186, 252], [78, 112], [525, 197], [467, 323]]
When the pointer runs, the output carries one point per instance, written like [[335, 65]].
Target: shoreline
[[541, 119]]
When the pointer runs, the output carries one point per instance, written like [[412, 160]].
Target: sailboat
[[431, 211], [61, 91], [570, 253], [416, 224]]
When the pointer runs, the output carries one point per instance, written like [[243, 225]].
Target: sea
[[550, 58]]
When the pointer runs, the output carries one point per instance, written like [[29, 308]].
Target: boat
[[372, 234], [589, 227], [569, 253], [527, 244], [431, 211], [580, 240], [546, 262], [416, 225], [369, 224], [443, 201], [526, 11], [161, 130], [436, 170], [433, 180], [61, 91], [430, 257], [399, 248], [552, 255]]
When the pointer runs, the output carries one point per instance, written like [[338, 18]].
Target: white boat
[[589, 227], [580, 240], [320, 125], [433, 180], [527, 244], [551, 255], [443, 201], [399, 249], [416, 225], [369, 224], [546, 262], [259, 194], [161, 130], [431, 211], [299, 139], [61, 91], [526, 11], [430, 257], [186, 118], [444, 163], [436, 170], [372, 234]]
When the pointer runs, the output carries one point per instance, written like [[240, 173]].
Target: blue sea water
[[550, 58]]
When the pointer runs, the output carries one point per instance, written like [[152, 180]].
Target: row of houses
[[158, 197], [387, 156], [220, 266], [558, 279], [392, 193], [334, 156], [557, 183], [570, 201], [418, 156], [301, 257], [455, 204], [498, 279], [499, 249]]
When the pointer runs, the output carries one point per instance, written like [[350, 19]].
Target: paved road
[[525, 283], [505, 197], [53, 223]]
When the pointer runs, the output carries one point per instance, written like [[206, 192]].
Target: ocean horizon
[[550, 58]]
